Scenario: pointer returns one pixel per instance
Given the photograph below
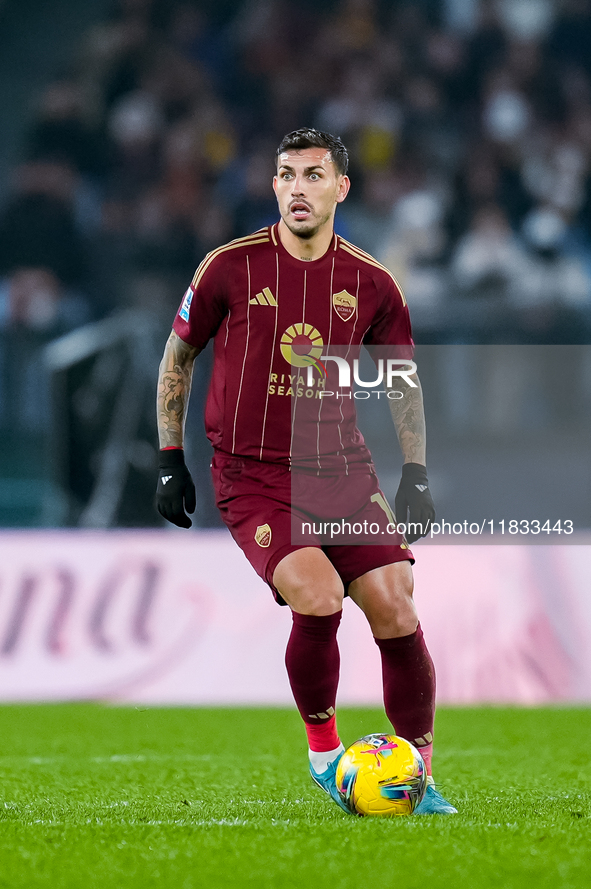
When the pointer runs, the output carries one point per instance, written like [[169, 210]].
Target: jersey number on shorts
[[383, 503]]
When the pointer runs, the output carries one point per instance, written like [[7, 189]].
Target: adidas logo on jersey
[[265, 298], [166, 478], [421, 488]]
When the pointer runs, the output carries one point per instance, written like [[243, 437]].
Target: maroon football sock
[[409, 687], [312, 660]]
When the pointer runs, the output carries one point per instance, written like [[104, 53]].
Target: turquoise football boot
[[327, 781], [433, 803]]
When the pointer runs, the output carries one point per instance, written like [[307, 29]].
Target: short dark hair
[[308, 137]]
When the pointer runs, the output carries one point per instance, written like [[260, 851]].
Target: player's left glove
[[413, 504]]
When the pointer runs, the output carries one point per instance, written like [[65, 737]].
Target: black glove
[[413, 504], [175, 491]]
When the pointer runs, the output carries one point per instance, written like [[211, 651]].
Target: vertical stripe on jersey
[[346, 356], [227, 329], [295, 400], [245, 354], [304, 306], [330, 310], [272, 355]]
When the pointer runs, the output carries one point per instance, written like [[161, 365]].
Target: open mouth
[[300, 211]]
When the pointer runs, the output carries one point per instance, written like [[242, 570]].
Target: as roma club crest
[[263, 535], [344, 304]]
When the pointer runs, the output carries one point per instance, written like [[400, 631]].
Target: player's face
[[308, 188]]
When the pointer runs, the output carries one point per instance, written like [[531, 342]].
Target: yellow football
[[381, 775]]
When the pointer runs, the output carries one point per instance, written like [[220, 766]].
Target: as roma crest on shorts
[[263, 535], [344, 304]]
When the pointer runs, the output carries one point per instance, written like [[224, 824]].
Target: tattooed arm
[[413, 505], [175, 493], [409, 420], [174, 389]]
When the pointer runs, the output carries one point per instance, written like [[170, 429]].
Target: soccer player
[[287, 450]]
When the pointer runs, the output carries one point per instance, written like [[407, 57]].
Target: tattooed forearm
[[409, 420], [174, 388]]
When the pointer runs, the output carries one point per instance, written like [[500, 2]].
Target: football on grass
[[381, 775]]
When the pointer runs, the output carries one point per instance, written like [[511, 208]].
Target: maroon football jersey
[[267, 309]]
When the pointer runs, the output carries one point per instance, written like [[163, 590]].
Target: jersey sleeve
[[391, 325], [204, 305]]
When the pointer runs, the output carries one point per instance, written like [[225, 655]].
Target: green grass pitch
[[95, 797]]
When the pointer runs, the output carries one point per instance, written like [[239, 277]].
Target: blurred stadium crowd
[[469, 129], [468, 124]]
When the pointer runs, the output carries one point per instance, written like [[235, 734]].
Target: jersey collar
[[302, 263]]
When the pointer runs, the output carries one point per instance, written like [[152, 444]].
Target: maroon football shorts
[[272, 512]]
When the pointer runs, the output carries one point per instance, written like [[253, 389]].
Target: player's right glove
[[175, 491]]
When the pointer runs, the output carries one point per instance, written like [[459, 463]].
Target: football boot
[[433, 803], [327, 781]]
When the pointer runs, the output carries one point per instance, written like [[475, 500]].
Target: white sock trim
[[321, 761]]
